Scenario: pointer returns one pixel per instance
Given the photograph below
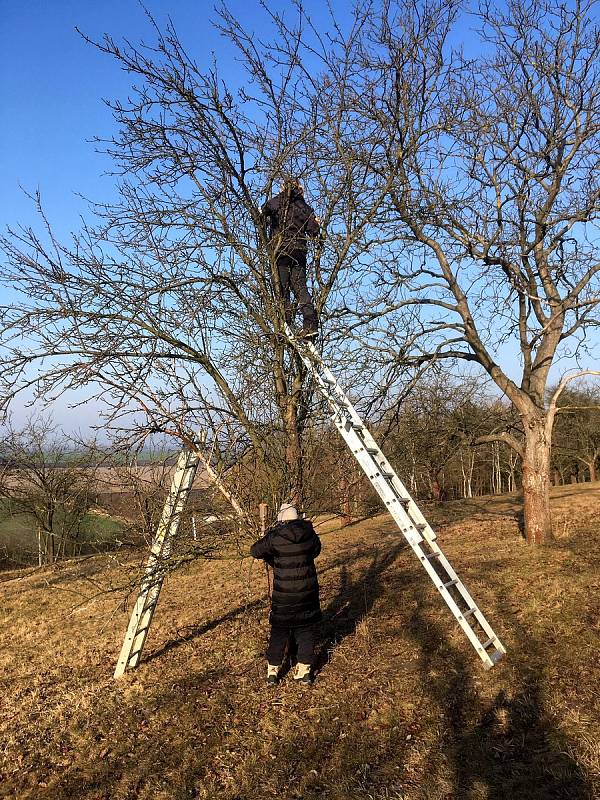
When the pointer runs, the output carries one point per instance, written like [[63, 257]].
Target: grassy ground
[[401, 707]]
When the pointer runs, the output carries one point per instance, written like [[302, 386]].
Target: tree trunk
[[557, 478], [536, 481], [293, 457], [592, 466], [50, 549]]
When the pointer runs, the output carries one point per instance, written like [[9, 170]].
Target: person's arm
[[269, 215], [312, 226], [263, 548], [316, 546]]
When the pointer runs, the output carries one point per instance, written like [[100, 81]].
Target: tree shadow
[[510, 748], [195, 631], [354, 599]]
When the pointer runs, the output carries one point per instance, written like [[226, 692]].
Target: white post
[[262, 512]]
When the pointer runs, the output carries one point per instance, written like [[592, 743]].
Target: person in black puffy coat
[[291, 222], [291, 547]]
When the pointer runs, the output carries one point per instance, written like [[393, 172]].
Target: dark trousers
[[292, 278], [304, 639]]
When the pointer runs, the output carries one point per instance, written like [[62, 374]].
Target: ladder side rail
[[411, 534], [441, 559], [407, 515], [467, 597], [393, 504], [151, 584], [457, 613], [329, 387], [186, 464]]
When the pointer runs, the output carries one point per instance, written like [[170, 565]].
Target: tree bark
[[536, 481], [294, 456]]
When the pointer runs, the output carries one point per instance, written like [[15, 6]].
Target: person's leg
[[284, 268], [305, 639], [277, 643], [300, 289]]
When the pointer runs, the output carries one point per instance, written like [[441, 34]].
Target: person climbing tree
[[290, 222], [291, 547]]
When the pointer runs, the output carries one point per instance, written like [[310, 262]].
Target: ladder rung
[[431, 555], [469, 612], [451, 583], [420, 526], [404, 501], [485, 645], [372, 451]]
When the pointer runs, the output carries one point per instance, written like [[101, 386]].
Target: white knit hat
[[287, 512]]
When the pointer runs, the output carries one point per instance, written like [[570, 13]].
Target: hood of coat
[[296, 530]]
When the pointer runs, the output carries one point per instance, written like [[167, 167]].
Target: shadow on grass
[[508, 749], [354, 599], [198, 630]]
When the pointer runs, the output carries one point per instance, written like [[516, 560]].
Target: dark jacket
[[290, 221], [290, 548]]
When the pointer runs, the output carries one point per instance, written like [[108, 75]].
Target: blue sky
[[52, 84]]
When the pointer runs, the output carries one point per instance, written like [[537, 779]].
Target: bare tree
[[577, 435], [495, 200], [43, 477], [169, 300]]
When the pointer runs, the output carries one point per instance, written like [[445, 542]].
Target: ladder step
[[420, 526], [485, 645], [372, 451], [451, 583], [469, 612], [432, 555], [404, 501]]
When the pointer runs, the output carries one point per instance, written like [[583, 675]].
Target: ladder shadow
[[195, 631], [354, 599], [509, 748]]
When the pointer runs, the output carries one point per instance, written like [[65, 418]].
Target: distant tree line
[[441, 441]]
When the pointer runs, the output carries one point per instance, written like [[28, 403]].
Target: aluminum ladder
[[402, 507], [143, 611]]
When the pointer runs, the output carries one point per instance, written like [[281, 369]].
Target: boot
[[310, 327], [302, 674], [272, 674]]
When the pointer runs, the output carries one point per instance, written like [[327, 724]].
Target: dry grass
[[401, 707]]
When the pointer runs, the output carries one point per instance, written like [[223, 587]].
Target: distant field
[[401, 710], [19, 541]]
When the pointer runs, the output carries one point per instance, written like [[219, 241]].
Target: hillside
[[401, 708]]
